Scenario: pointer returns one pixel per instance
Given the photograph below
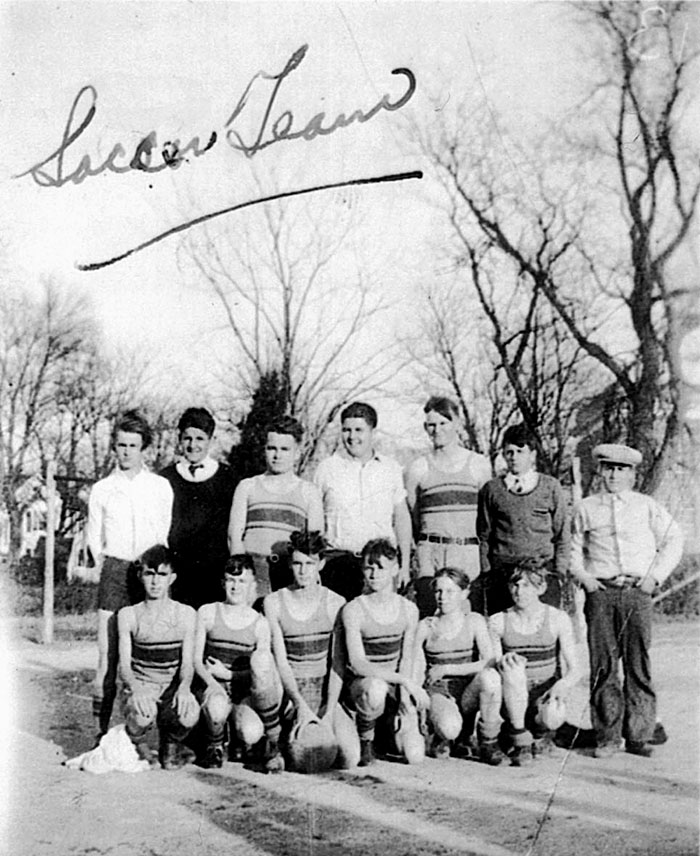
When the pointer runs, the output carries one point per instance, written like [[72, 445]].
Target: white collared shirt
[[359, 498], [128, 515], [626, 533], [204, 470], [524, 483]]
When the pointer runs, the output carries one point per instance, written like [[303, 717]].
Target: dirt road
[[569, 804]]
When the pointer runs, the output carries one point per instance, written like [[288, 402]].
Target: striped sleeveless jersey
[[156, 647], [440, 651], [308, 646], [540, 649]]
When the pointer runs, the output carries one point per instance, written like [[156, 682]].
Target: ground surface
[[623, 805]]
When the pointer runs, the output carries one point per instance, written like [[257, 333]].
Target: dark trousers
[[619, 627], [342, 573]]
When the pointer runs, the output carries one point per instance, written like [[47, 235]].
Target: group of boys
[[299, 628]]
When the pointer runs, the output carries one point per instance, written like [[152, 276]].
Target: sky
[[179, 70]]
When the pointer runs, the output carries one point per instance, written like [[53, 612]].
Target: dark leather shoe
[[644, 750], [659, 736]]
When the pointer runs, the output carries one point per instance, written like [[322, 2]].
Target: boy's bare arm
[[237, 518], [126, 624]]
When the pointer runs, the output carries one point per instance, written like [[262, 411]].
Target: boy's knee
[[370, 696], [445, 718], [217, 708], [490, 682], [248, 725], [136, 722]]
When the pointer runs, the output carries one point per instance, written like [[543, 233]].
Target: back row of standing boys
[[349, 653]]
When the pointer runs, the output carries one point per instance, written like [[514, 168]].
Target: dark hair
[[197, 417], [442, 405], [519, 435], [309, 543], [377, 549], [360, 410], [533, 569], [236, 564], [457, 575], [286, 425], [154, 557], [132, 422]]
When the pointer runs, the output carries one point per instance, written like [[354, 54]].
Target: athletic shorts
[[118, 584]]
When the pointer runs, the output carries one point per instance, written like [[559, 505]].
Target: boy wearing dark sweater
[[203, 491], [521, 515]]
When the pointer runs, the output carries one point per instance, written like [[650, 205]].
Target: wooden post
[[47, 637]]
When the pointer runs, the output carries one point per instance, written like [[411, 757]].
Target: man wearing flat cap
[[624, 545]]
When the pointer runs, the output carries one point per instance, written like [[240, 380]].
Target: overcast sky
[[180, 69]]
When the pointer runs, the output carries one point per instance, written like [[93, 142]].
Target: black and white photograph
[[350, 428]]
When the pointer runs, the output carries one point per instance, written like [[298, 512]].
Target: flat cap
[[616, 453]]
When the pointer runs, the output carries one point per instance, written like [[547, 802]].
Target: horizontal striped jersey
[[308, 645], [156, 645], [234, 647], [446, 501], [383, 642], [272, 517], [540, 649], [442, 651]]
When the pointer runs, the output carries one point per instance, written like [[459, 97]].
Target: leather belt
[[621, 581], [444, 539]]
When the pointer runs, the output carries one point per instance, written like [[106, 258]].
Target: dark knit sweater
[[516, 526], [199, 530]]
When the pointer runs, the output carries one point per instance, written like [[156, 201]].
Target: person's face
[[525, 592], [195, 445], [448, 595], [128, 450], [379, 574], [280, 453], [519, 459], [305, 569], [357, 437], [617, 477], [441, 430], [157, 582], [238, 588]]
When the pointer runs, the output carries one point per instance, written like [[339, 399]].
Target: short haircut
[[236, 564], [531, 569], [309, 543], [457, 575], [519, 435], [286, 425], [132, 422], [360, 410], [154, 557], [377, 549], [442, 405], [197, 417]]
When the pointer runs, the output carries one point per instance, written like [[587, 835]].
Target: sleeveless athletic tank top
[[440, 651], [383, 642], [307, 642], [447, 501], [539, 649], [272, 517], [156, 646], [233, 646]]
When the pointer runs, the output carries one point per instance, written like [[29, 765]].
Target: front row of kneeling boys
[[254, 681]]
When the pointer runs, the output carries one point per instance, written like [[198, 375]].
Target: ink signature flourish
[[149, 157]]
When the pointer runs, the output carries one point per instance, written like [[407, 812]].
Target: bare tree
[[297, 302], [39, 339], [593, 239]]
